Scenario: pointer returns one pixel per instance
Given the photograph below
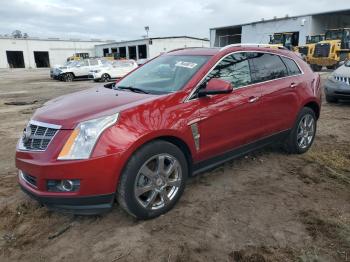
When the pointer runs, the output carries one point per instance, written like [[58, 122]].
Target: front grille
[[322, 50], [28, 178], [304, 50], [343, 79], [39, 138]]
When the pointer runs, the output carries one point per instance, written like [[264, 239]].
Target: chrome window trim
[[38, 123], [190, 98]]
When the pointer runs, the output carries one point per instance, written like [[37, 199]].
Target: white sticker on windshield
[[186, 64]]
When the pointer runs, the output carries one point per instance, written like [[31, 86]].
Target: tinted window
[[93, 62], [292, 67], [235, 69], [266, 67]]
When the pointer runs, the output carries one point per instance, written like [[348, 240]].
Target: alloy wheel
[[306, 131], [158, 181]]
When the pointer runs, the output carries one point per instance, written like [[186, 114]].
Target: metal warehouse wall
[[260, 32], [58, 50], [158, 46], [99, 48], [320, 23], [163, 45]]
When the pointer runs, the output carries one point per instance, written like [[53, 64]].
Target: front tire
[[303, 133], [153, 180], [68, 77]]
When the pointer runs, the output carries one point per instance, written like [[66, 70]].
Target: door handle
[[293, 85], [253, 99]]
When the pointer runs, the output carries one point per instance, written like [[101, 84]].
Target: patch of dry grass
[[26, 223], [333, 232], [336, 161], [336, 158]]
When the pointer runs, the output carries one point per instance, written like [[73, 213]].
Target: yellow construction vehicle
[[333, 50], [308, 49], [78, 56], [283, 39], [111, 56]]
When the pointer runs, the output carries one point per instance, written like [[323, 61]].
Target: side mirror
[[216, 86]]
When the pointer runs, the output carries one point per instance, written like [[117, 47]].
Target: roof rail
[[256, 45], [182, 48]]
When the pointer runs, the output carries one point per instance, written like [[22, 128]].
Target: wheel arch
[[183, 147], [315, 107], [69, 72], [175, 140]]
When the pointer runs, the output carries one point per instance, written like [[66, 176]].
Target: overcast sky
[[123, 20]]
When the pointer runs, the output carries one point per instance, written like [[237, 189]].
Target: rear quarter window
[[292, 67]]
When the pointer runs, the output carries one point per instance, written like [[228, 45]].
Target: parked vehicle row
[[113, 70], [97, 69], [180, 114]]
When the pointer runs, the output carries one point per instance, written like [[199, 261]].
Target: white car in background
[[80, 69], [113, 70], [55, 70]]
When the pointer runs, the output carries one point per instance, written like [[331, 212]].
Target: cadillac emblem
[[26, 134]]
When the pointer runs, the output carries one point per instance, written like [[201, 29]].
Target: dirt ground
[[267, 206]]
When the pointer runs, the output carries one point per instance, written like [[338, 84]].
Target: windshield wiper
[[133, 89]]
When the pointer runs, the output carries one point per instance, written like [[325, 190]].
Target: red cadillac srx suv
[[138, 140]]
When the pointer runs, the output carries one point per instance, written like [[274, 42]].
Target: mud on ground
[[266, 206]]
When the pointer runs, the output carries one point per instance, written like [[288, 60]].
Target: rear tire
[[105, 78], [331, 99], [303, 133], [153, 180]]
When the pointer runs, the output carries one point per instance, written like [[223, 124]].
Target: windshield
[[314, 39], [334, 35], [165, 74]]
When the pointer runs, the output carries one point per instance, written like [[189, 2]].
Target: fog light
[[66, 185]]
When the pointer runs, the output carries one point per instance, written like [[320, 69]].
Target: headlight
[[331, 78], [84, 137]]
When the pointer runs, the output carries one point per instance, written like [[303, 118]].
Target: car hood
[[343, 71], [69, 110]]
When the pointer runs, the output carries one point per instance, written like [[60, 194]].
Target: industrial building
[[149, 47], [260, 31], [37, 53]]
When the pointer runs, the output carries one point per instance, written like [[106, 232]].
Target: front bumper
[[91, 205], [337, 89], [98, 181]]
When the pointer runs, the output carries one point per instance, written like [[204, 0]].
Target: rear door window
[[234, 68], [265, 67], [292, 67]]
